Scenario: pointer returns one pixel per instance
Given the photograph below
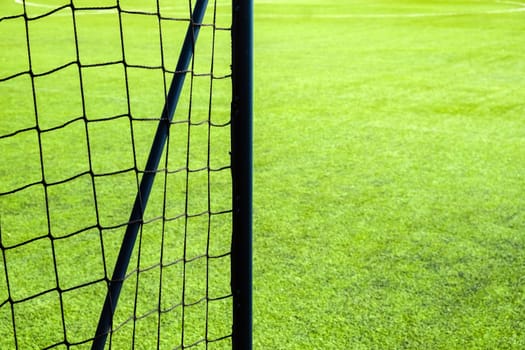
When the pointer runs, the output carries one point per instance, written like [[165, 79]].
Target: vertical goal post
[[242, 141]]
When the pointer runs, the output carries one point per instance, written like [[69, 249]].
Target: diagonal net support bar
[[141, 199]]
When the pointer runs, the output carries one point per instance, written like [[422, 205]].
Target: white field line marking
[[91, 12], [21, 2], [520, 8], [522, 4]]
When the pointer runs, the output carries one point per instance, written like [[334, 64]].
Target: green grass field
[[389, 177]]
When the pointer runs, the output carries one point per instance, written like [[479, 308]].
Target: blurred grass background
[[389, 209]]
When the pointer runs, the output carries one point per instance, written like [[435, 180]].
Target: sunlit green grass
[[389, 205]]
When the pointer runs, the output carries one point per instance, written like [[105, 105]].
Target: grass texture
[[389, 178], [389, 175]]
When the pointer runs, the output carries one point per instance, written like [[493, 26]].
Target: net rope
[[82, 87]]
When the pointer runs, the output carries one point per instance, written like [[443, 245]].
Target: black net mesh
[[82, 88]]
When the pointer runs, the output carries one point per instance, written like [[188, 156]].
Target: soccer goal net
[[125, 174]]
